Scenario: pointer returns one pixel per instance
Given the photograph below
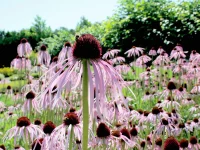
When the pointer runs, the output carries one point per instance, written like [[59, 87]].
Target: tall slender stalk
[[85, 106]]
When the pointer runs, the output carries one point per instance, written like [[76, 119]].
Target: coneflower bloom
[[24, 48], [161, 59], [71, 125], [184, 144], [142, 60], [21, 129], [152, 52], [66, 52], [117, 60], [164, 127], [44, 57], [30, 103], [193, 55], [193, 145], [48, 128], [171, 143], [86, 54], [160, 50], [16, 63], [122, 137], [110, 54], [134, 51], [158, 143]]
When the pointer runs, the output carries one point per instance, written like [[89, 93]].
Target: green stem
[[85, 106], [71, 139]]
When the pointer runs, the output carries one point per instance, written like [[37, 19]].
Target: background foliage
[[144, 23]]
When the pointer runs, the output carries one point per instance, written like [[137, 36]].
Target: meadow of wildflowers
[[84, 99]]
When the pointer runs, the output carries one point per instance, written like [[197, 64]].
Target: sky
[[19, 14]]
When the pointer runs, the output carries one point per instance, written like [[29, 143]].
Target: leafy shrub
[[7, 72], [2, 76]]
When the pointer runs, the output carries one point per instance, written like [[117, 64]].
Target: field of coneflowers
[[83, 99]]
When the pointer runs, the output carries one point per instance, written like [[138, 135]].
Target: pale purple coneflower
[[142, 60], [187, 101], [30, 103], [71, 125], [66, 52], [182, 128], [161, 59], [194, 109], [195, 89], [193, 55], [184, 144], [23, 129], [152, 52], [122, 139], [180, 93], [16, 63], [160, 50], [134, 51], [164, 127], [154, 116], [24, 48], [110, 54], [158, 143], [123, 68], [44, 57], [87, 52], [193, 145], [48, 128], [117, 60]]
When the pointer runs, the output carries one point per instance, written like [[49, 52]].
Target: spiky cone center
[[23, 40], [30, 95], [116, 133], [103, 130], [164, 122], [142, 144], [23, 122], [72, 109], [2, 147], [171, 143], [37, 122], [48, 127], [9, 87], [171, 86], [125, 132], [196, 120], [16, 147], [184, 143], [155, 111], [140, 111], [146, 113], [55, 59], [193, 140], [37, 144], [87, 46], [181, 125], [68, 44], [43, 48], [159, 142], [71, 118], [134, 131]]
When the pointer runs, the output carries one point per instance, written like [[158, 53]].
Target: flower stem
[[71, 139], [85, 106]]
